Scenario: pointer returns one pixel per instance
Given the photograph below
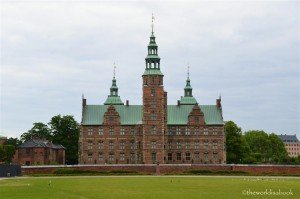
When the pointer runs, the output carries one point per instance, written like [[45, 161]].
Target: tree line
[[255, 147]]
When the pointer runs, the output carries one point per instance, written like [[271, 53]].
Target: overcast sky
[[52, 52]]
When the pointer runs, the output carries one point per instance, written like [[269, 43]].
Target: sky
[[52, 52]]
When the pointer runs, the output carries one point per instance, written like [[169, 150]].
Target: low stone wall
[[169, 168]]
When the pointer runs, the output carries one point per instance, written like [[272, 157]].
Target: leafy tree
[[39, 130], [13, 141], [6, 153], [65, 131], [235, 144], [277, 151], [259, 144]]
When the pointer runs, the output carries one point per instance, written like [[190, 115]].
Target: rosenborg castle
[[154, 132]]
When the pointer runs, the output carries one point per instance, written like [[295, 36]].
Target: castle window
[[152, 104], [196, 119], [122, 156], [122, 145], [196, 145], [111, 130], [153, 130], [205, 144], [111, 145], [132, 157], [178, 156], [170, 156], [205, 131], [196, 157], [215, 144], [90, 131], [187, 131], [152, 92], [153, 145], [122, 131], [90, 156], [215, 156], [100, 145], [90, 145], [215, 131], [132, 130], [153, 157], [178, 144], [196, 131], [187, 156], [152, 80], [187, 145], [132, 145], [169, 131], [100, 131], [111, 157], [111, 119], [100, 156], [178, 131], [170, 145], [153, 116], [205, 156]]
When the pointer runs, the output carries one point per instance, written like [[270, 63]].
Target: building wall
[[31, 156], [293, 148], [195, 143]]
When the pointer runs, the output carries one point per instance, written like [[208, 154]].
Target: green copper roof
[[152, 72], [188, 100], [131, 115], [152, 57], [113, 100]]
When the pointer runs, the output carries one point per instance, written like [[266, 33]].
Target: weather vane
[[152, 22], [114, 69], [188, 71]]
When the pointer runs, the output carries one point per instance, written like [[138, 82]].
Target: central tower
[[154, 107]]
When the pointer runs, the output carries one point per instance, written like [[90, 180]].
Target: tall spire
[[152, 59], [113, 98], [188, 91]]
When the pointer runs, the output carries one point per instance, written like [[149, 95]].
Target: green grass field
[[146, 187]]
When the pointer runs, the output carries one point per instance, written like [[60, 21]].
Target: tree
[[259, 144], [65, 131], [13, 141], [6, 153], [277, 151], [235, 144], [39, 130]]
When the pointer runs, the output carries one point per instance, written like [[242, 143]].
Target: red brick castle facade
[[154, 132]]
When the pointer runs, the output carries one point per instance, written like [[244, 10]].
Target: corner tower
[[154, 106]]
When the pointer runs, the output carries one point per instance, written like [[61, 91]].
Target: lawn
[[146, 187]]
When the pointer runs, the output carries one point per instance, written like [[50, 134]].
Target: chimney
[[218, 103], [127, 102], [178, 102], [83, 102]]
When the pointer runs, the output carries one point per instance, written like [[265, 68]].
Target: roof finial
[[188, 71], [114, 69], [152, 23]]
